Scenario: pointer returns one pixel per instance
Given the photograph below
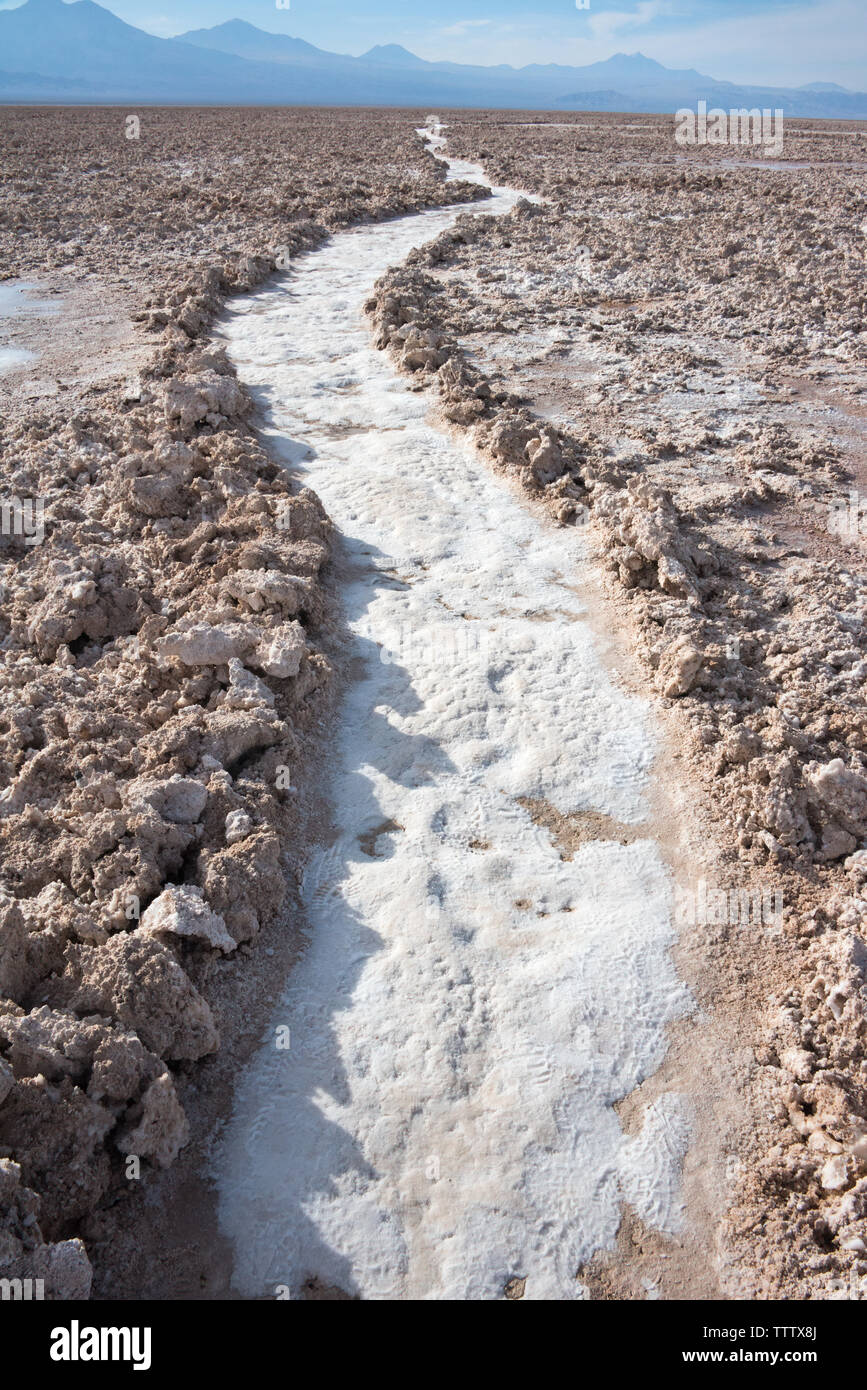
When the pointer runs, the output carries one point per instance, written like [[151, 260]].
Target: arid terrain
[[667, 351], [163, 518], [672, 349]]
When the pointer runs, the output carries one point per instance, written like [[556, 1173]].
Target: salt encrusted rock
[[421, 348], [19, 1204], [246, 690], [648, 542], [836, 842], [840, 793], [56, 1044], [856, 865], [238, 827], [246, 882], [182, 911], [678, 668], [202, 644], [137, 980], [67, 1272], [276, 651], [799, 1062], [847, 912], [7, 1080], [780, 807], [739, 746], [161, 1129], [33, 933], [63, 1267], [180, 800], [159, 496], [62, 1131], [835, 1174], [279, 653], [97, 601], [207, 399], [121, 1065], [258, 589], [231, 733], [510, 438], [303, 518], [546, 457], [48, 1043]]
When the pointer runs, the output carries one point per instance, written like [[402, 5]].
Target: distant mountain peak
[[392, 53], [637, 61], [240, 28], [54, 50], [244, 40], [235, 26]]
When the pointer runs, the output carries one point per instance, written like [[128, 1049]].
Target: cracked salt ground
[[470, 1006]]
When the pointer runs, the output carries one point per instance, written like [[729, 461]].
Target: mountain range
[[81, 52]]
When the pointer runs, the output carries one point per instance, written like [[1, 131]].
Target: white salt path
[[469, 1006]]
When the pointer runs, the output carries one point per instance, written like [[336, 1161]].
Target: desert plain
[[662, 346]]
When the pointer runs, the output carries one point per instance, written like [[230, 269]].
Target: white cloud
[[463, 26], [607, 25], [806, 41]]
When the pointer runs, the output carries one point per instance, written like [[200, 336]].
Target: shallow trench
[[471, 1003]]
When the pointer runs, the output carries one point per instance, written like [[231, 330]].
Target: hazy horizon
[[764, 42]]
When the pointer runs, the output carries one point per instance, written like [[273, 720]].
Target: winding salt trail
[[469, 1006]]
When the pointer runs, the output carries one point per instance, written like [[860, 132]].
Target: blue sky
[[786, 42]]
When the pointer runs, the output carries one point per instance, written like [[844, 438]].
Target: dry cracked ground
[[669, 350]]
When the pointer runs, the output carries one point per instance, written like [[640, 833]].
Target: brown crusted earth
[[162, 673], [672, 349]]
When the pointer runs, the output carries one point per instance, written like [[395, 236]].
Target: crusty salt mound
[[156, 653]]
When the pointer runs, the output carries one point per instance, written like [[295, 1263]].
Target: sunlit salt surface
[[17, 300], [13, 357], [469, 1006], [17, 297]]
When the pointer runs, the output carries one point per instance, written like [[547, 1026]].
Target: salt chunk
[[238, 827], [835, 1174], [181, 910]]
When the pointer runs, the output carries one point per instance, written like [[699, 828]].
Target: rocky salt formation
[[144, 802], [154, 684], [643, 366], [160, 654], [81, 197], [62, 1267]]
